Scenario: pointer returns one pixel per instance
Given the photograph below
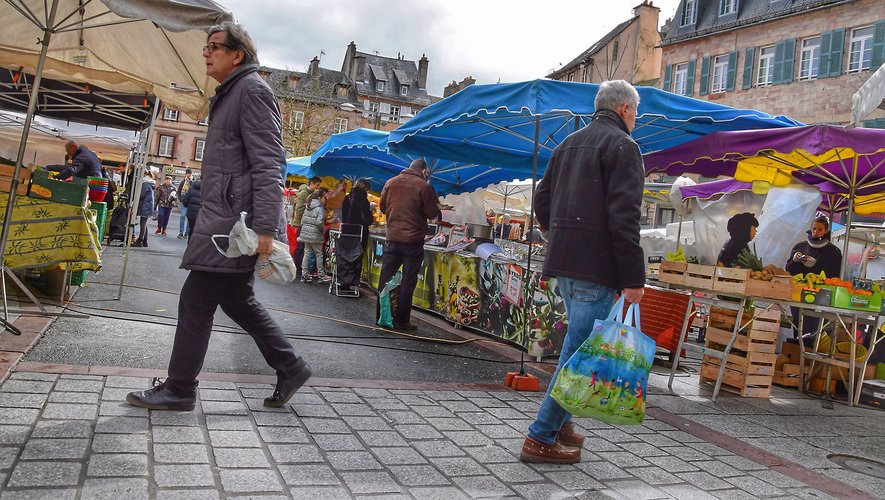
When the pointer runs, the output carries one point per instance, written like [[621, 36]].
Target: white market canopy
[[869, 97]]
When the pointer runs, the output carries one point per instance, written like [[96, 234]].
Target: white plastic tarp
[[869, 96], [784, 215]]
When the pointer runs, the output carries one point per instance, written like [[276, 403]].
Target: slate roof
[[748, 12], [323, 86], [387, 68], [587, 55]]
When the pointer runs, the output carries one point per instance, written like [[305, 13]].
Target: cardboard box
[[872, 393], [822, 297], [843, 298], [43, 187]]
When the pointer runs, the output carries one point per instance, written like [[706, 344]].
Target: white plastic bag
[[277, 268]]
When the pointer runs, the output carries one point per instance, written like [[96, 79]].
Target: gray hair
[[615, 93], [237, 38]]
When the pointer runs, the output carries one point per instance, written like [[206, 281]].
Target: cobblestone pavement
[[65, 435]]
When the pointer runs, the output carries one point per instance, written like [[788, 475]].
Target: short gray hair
[[615, 93], [237, 38]]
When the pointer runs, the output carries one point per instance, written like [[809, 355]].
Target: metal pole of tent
[[135, 195], [7, 219], [852, 189], [528, 266]]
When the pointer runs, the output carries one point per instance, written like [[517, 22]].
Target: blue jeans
[[182, 222], [585, 302]]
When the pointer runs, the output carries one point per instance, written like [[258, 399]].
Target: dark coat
[[407, 201], [84, 164], [241, 170], [192, 200], [356, 210], [146, 200], [829, 259], [589, 201]]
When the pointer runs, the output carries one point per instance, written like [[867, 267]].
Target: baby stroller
[[348, 251], [119, 220]]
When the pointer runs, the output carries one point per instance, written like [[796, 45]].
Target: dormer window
[[690, 12], [403, 90], [379, 86], [727, 7], [293, 83]]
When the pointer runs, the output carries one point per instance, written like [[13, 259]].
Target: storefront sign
[[514, 284]]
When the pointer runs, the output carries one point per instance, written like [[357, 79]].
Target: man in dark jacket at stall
[[241, 173], [589, 203], [83, 164], [407, 201]]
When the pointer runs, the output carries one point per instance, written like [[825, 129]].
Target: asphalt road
[[334, 334]]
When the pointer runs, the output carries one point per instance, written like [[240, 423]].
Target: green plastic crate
[[100, 210], [843, 298], [75, 192], [78, 277]]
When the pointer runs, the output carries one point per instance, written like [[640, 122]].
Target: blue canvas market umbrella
[[363, 153], [299, 165], [496, 124]]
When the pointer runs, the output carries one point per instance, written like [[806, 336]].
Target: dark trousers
[[201, 295], [163, 214], [409, 256], [142, 228], [298, 256]]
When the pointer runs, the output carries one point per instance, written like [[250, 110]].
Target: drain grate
[[858, 464]]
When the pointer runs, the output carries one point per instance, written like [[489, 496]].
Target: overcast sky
[[491, 40]]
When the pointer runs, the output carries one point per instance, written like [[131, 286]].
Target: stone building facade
[[800, 58], [629, 52], [177, 143]]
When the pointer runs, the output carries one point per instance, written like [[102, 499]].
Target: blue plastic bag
[[606, 377]]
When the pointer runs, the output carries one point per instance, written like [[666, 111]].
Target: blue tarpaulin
[[300, 166], [496, 124], [363, 153]]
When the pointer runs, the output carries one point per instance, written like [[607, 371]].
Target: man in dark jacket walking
[[84, 163], [241, 173], [407, 201], [589, 203]]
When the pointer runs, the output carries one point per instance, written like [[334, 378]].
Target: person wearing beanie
[[742, 228]]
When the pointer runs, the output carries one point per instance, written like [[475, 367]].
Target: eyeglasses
[[213, 46]]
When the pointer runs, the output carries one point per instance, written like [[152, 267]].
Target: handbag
[[606, 377]]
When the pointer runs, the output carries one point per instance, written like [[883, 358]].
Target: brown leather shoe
[[537, 452], [569, 436]]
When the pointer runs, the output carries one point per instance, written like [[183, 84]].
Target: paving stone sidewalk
[[73, 436]]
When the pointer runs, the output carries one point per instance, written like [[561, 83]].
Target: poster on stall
[[514, 284], [456, 295]]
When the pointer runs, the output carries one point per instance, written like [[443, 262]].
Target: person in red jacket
[[407, 201]]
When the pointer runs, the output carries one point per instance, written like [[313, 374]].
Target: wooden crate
[[672, 272], [699, 276], [787, 375], [780, 287], [730, 280], [748, 341], [744, 384], [24, 178]]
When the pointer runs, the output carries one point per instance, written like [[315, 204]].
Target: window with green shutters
[[705, 76], [668, 75], [878, 56], [689, 82], [832, 44], [749, 57], [731, 74], [784, 61]]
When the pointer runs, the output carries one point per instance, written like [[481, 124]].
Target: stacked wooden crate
[[750, 364]]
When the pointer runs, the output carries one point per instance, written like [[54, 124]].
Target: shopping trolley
[[347, 261]]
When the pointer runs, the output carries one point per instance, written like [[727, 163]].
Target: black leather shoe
[[286, 388], [161, 398], [408, 327]]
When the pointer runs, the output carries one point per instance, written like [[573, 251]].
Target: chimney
[[422, 72], [314, 69], [349, 54], [359, 65], [646, 7]]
